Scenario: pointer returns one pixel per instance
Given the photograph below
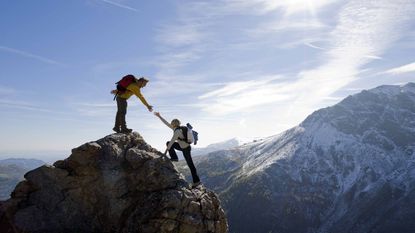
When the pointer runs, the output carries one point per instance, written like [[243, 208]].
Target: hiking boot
[[194, 185], [126, 130], [117, 129]]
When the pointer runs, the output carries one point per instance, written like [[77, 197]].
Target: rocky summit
[[116, 184]]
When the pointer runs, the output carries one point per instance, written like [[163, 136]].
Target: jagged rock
[[116, 184]]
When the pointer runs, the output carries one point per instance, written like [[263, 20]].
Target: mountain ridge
[[345, 168]]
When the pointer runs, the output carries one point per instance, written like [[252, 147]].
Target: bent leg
[[172, 152]]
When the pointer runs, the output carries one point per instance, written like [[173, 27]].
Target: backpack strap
[[184, 132], [115, 96]]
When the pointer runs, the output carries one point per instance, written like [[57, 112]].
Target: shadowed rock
[[116, 184]]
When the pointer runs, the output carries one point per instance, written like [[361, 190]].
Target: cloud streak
[[313, 46], [29, 55], [402, 69], [120, 5], [6, 90], [23, 106], [240, 96]]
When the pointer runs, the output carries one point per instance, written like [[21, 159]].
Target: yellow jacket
[[134, 89]]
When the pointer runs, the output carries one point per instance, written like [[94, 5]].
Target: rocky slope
[[116, 184], [346, 168]]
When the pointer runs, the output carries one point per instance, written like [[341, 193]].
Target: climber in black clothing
[[177, 142]]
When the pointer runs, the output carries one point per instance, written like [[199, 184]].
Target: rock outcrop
[[116, 184]]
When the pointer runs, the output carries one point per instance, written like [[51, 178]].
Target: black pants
[[121, 112], [187, 156]]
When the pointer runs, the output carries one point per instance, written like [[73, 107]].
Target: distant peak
[[371, 109], [393, 89]]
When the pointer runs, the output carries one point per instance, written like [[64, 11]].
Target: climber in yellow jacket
[[126, 87]]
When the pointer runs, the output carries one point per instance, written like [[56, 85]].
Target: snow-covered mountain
[[228, 144], [345, 168]]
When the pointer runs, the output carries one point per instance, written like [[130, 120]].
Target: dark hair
[[143, 79]]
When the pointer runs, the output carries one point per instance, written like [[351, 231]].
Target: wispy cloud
[[239, 96], [402, 69], [6, 90], [95, 109], [117, 4], [172, 61], [237, 87], [313, 46], [374, 57], [16, 104], [29, 55], [289, 7], [186, 33], [97, 105], [287, 24], [9, 100], [197, 32], [353, 43]]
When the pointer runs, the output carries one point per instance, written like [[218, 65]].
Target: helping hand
[[157, 114], [150, 108]]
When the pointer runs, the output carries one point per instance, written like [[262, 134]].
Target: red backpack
[[123, 84]]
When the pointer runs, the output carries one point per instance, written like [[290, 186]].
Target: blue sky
[[236, 68]]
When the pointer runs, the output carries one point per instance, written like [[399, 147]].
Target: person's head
[[175, 123], [142, 82]]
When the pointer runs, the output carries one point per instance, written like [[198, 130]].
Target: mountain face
[[116, 184], [11, 173], [346, 168]]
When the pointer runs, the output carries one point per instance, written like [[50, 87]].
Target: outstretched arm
[[137, 93], [163, 120]]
